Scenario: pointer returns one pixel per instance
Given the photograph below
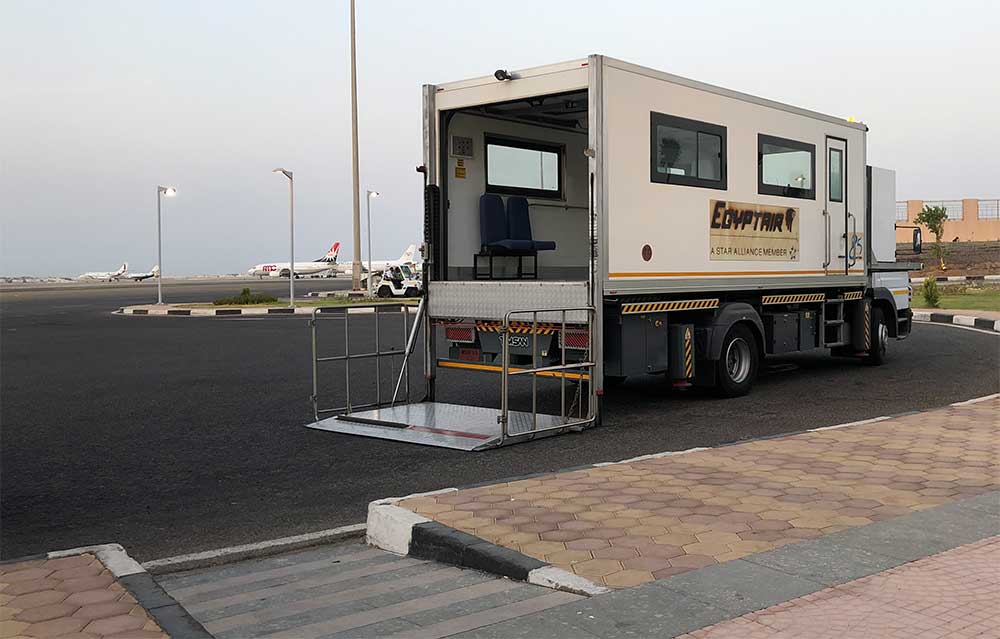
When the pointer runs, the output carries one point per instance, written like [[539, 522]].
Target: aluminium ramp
[[440, 424]]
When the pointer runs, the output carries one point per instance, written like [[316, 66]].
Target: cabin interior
[[517, 189]]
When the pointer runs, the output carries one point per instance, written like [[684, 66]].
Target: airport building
[[969, 220]]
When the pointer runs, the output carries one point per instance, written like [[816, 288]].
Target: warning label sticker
[[756, 232]]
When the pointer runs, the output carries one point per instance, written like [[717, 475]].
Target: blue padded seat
[[492, 220], [494, 235], [519, 225]]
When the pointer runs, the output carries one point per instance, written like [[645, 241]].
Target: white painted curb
[[559, 579], [963, 321], [977, 400], [214, 312], [113, 556], [391, 527]]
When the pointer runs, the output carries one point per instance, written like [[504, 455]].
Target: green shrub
[[246, 297], [932, 296]]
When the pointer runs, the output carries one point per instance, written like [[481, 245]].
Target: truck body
[[671, 203]]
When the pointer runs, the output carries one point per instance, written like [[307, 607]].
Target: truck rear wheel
[[738, 363], [878, 352], [384, 291]]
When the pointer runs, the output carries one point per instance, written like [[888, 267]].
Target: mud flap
[[861, 326]]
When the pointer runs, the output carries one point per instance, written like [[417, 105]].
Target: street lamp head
[[168, 191], [286, 173], [373, 193]]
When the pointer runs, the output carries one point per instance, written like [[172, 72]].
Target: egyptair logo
[[789, 218]]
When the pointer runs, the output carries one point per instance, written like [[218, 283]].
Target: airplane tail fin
[[408, 254], [331, 255], [155, 269], [123, 269]]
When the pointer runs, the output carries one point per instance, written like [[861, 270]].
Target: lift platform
[[444, 425], [429, 423]]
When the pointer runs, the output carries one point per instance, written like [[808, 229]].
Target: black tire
[[738, 363], [878, 353], [384, 291]]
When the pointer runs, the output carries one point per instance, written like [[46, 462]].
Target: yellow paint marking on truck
[[796, 298], [626, 274], [676, 305], [496, 369]]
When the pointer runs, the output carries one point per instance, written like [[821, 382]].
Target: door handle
[[854, 234], [826, 252]]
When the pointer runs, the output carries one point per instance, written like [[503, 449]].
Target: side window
[[686, 152], [836, 178], [516, 167], [786, 167]]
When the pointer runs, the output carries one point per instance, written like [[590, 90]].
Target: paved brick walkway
[[954, 594], [69, 597], [629, 523]]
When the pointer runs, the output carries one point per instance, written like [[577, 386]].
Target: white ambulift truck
[[673, 227]]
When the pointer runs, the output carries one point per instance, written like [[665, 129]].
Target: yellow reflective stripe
[[496, 369], [794, 298], [680, 305]]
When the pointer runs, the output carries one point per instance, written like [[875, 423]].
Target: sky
[[101, 101]]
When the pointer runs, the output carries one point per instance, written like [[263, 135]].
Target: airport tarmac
[[173, 435]]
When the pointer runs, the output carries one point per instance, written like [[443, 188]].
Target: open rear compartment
[[514, 184]]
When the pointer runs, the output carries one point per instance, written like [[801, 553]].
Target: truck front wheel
[[738, 363]]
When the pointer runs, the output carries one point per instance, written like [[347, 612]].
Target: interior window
[[687, 152], [515, 167], [785, 167], [836, 175]]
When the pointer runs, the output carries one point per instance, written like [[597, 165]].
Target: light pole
[[371, 194], [291, 235], [356, 264], [169, 191]]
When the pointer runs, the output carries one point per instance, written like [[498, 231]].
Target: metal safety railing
[[377, 312], [581, 371]]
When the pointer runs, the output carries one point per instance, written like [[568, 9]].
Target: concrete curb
[[404, 532], [254, 550], [969, 321], [215, 312], [172, 617], [957, 278]]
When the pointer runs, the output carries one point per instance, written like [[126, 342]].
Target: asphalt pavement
[[178, 434]]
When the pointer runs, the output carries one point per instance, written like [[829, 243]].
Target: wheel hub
[[738, 360]]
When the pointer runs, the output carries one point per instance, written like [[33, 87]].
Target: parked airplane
[[281, 269], [109, 276], [378, 266], [138, 277]]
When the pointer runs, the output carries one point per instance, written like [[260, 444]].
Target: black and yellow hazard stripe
[[868, 327], [676, 305], [519, 328], [793, 298], [853, 295], [688, 353]]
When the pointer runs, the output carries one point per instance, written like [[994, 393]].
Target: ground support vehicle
[[398, 281], [677, 228]]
